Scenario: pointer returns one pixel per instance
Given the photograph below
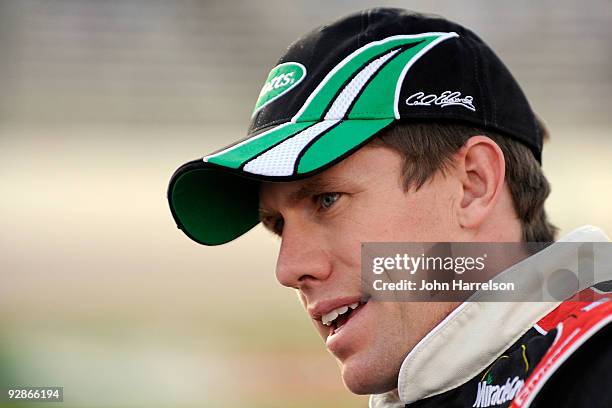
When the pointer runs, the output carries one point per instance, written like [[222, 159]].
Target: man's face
[[323, 220]]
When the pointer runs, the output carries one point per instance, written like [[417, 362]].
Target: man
[[388, 125]]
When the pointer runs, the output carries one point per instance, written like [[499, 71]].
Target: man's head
[[388, 191], [383, 126]]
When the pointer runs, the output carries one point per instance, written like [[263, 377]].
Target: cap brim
[[216, 199]]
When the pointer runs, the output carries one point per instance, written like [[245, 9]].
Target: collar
[[471, 337]]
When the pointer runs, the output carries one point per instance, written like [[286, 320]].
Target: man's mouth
[[338, 317]]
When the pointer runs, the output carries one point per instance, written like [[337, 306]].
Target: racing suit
[[517, 354]]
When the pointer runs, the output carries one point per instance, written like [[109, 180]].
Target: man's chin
[[362, 378]]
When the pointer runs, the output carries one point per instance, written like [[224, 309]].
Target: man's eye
[[326, 200]]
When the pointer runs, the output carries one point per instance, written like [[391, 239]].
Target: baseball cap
[[335, 89]]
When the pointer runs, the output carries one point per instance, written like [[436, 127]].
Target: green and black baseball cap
[[331, 92]]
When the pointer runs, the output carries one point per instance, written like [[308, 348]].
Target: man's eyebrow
[[315, 186]]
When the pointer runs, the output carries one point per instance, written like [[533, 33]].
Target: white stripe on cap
[[344, 100], [280, 160]]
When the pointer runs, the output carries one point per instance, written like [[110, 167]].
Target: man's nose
[[302, 258]]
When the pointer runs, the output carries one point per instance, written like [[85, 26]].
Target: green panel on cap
[[330, 86], [214, 207], [341, 139], [235, 156], [378, 97]]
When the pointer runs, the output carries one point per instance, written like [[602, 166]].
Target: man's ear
[[481, 169]]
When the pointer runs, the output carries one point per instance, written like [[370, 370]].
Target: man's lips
[[330, 315], [321, 308], [345, 331]]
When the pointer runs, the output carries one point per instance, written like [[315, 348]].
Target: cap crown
[[392, 63]]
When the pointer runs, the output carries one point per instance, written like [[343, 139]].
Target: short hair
[[428, 147]]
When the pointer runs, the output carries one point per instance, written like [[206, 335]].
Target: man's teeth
[[328, 318]]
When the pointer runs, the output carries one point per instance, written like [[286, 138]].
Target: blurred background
[[102, 99]]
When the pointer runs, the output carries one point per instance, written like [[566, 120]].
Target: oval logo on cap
[[281, 80]]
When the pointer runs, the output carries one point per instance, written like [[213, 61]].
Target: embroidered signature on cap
[[446, 98]]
